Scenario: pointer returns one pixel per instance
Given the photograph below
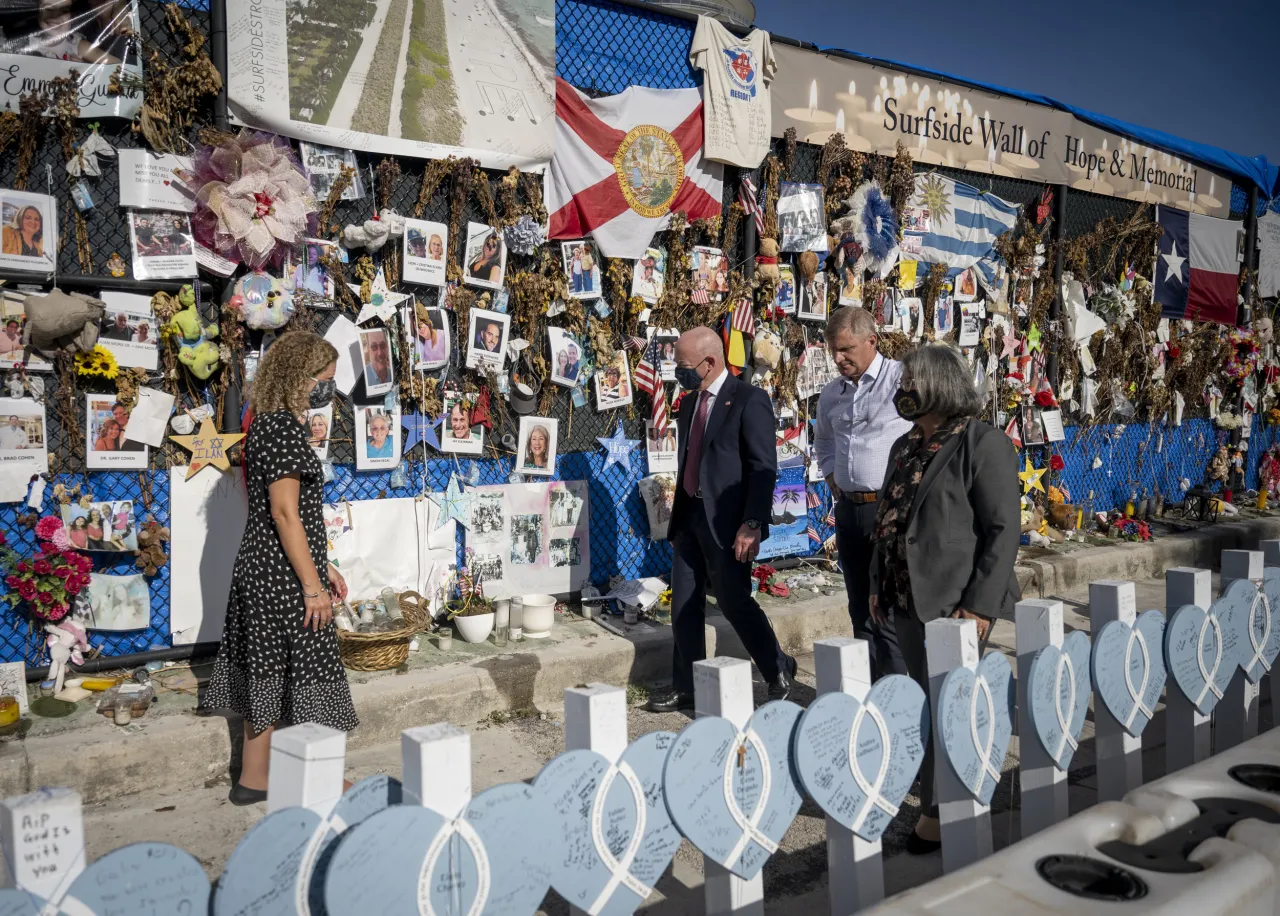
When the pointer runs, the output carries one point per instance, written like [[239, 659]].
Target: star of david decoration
[[208, 447], [454, 504], [420, 428], [382, 302], [1031, 478], [619, 448]]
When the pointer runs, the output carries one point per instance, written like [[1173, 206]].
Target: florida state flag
[[624, 163]]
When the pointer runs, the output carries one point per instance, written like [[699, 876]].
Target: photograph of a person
[[486, 568], [487, 517], [23, 442], [308, 274], [107, 526], [967, 286], [661, 446], [28, 231], [613, 383], [105, 444], [649, 275], [377, 437], [667, 338], [943, 315], [487, 339], [564, 552], [323, 164], [526, 539], [129, 329], [13, 315], [375, 357], [581, 268], [710, 272], [536, 454], [163, 248], [424, 246], [566, 357], [851, 284], [319, 423], [429, 339], [566, 507], [784, 296], [93, 32], [811, 304], [486, 260], [118, 602], [458, 435]]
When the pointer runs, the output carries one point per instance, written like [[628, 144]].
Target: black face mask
[[688, 378], [907, 403]]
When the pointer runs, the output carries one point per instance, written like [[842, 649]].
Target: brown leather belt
[[862, 496]]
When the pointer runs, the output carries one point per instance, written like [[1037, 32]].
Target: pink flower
[[82, 563], [56, 612], [61, 539], [13, 581], [43, 567], [63, 572], [45, 598], [24, 567], [47, 527], [27, 590]]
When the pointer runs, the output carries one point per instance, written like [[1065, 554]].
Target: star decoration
[[619, 447], [1174, 264], [454, 504], [419, 428], [1031, 478], [1010, 341], [208, 447], [1033, 339], [382, 302]]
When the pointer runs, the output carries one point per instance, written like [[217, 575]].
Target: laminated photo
[[486, 258], [319, 425], [811, 305], [430, 340], [425, 244], [304, 273], [536, 454], [118, 602], [666, 338], [784, 296], [613, 383], [566, 357], [106, 526], [649, 275], [710, 272], [966, 285], [377, 438], [488, 519], [163, 248], [323, 164], [105, 447], [581, 268], [662, 447], [801, 218], [943, 315], [565, 507], [565, 552], [28, 230], [13, 315], [24, 444], [851, 284], [459, 436], [375, 360], [487, 339], [129, 330], [149, 181]]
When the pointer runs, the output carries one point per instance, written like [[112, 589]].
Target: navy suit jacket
[[739, 462]]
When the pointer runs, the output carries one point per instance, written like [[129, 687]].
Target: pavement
[[344, 106]]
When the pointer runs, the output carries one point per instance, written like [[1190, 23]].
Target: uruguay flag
[[1197, 266], [958, 224]]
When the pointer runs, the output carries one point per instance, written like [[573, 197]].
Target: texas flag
[[624, 163], [1197, 266]]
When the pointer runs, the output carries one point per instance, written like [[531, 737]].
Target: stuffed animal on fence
[[202, 359], [767, 260], [374, 233], [67, 642], [151, 555], [62, 321], [186, 323], [263, 301]]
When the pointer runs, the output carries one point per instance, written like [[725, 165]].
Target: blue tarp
[[1253, 169]]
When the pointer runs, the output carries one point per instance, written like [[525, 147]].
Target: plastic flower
[[64, 572], [1044, 399], [24, 567], [57, 611], [12, 581], [43, 567], [1174, 351], [44, 598], [97, 363], [47, 526], [61, 539], [1056, 463], [27, 590]]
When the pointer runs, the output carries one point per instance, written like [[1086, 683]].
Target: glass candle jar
[[445, 640], [124, 710], [517, 618]]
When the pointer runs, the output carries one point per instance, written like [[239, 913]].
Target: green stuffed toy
[[186, 323], [201, 359]]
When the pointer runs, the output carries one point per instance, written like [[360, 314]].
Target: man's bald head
[[701, 349]]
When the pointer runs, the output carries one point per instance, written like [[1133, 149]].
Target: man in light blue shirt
[[857, 426]]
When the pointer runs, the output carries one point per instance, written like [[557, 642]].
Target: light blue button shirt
[[858, 424]]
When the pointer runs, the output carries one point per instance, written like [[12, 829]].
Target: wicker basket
[[382, 651]]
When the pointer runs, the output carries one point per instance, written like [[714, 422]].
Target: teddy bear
[[767, 260], [67, 642], [186, 323], [150, 554], [202, 359], [62, 321]]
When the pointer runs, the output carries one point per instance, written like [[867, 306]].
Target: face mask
[[907, 403], [322, 394], [688, 378]]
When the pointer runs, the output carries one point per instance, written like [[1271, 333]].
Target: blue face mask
[[322, 394], [688, 377]]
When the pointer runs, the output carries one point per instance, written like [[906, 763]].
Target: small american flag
[[634, 343], [814, 501], [830, 520], [646, 373], [748, 198], [675, 402], [744, 317], [659, 412], [813, 534], [1012, 432], [700, 297]]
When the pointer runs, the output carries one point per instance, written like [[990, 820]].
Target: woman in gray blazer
[[947, 525]]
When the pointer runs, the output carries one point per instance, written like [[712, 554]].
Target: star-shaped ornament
[[208, 447], [382, 302], [1010, 341], [1031, 478], [420, 428], [1174, 264], [619, 448], [454, 504], [1033, 339]]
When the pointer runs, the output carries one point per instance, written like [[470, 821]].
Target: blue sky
[[1205, 71]]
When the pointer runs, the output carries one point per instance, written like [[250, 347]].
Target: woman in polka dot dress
[[279, 662]]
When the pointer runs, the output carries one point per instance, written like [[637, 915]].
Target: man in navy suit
[[724, 495]]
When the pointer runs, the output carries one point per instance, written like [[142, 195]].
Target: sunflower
[[97, 363]]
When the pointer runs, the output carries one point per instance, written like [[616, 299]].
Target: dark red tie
[[693, 461]]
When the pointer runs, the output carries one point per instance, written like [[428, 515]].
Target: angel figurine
[[1220, 465]]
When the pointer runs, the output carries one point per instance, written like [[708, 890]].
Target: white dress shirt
[[857, 426], [13, 437], [711, 392]]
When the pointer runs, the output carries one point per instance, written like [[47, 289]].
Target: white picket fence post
[[722, 687], [855, 868], [966, 824], [435, 768], [1187, 733], [307, 762], [1119, 754], [1037, 623], [1235, 718], [43, 837]]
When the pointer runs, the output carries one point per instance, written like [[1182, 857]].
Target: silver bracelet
[[316, 595]]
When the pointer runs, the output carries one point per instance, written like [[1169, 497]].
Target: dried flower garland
[[173, 96]]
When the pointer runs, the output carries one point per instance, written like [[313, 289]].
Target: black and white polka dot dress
[[270, 668]]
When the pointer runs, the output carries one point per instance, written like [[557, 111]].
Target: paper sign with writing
[[1128, 669], [141, 879], [975, 716]]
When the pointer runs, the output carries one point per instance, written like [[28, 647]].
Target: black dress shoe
[[780, 687], [672, 701], [240, 796], [919, 846]]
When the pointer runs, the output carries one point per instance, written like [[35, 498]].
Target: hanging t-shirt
[[1269, 254], [735, 92]]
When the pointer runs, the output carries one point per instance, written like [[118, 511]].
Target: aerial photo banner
[[952, 125], [425, 78]]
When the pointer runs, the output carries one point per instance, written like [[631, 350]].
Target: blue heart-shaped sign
[[495, 859], [278, 866], [975, 713], [1058, 696], [19, 903], [1195, 658], [857, 760], [1253, 615], [1128, 669], [140, 880], [618, 835], [733, 794]]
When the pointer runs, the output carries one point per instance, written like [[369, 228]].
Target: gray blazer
[[962, 540]]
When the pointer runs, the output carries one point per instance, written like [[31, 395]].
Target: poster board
[[789, 517], [530, 538], [210, 511]]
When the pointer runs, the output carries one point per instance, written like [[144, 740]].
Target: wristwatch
[[753, 524]]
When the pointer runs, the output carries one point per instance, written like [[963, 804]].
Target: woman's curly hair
[[285, 368]]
